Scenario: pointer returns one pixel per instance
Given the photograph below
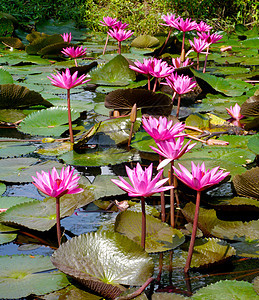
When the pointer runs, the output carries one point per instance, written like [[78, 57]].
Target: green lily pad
[[17, 96], [14, 149], [229, 87], [230, 70], [5, 77], [227, 290], [7, 238], [2, 188], [55, 149], [41, 215], [21, 169], [237, 141], [100, 109], [236, 201], [253, 144], [5, 228], [48, 122], [247, 248], [159, 236], [142, 142], [206, 252], [145, 41], [43, 41], [11, 115], [168, 296], [7, 202], [28, 275], [210, 224], [128, 263], [115, 72], [94, 158]]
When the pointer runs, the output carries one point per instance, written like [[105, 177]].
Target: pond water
[[103, 155]]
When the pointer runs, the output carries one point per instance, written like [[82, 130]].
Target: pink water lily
[[203, 27], [159, 69], [120, 35], [142, 182], [210, 38], [235, 112], [57, 185], [74, 52], [185, 26], [67, 81], [162, 129], [142, 68], [142, 186], [67, 37], [198, 45], [108, 21], [171, 149], [120, 25], [180, 84], [177, 63], [199, 180]]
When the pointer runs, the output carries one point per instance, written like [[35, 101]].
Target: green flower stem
[[143, 232], [106, 43], [168, 36], [183, 42], [162, 196], [198, 63], [69, 117], [206, 59], [154, 88], [58, 220], [76, 63], [194, 230], [119, 45]]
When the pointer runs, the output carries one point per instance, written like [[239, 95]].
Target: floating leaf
[[16, 96], [115, 72], [206, 252], [94, 158], [48, 122], [85, 259], [9, 201], [247, 248], [247, 184], [227, 290], [55, 149], [142, 142], [43, 41], [230, 70], [12, 149], [28, 275], [11, 115], [250, 108], [12, 42], [149, 102], [168, 296], [229, 87], [6, 238], [5, 77], [2, 188], [253, 144], [159, 236], [145, 41]]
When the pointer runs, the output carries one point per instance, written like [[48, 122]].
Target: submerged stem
[[194, 230], [168, 36]]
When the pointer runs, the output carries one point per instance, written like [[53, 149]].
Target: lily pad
[[227, 290], [247, 184], [253, 144], [55, 149], [149, 102], [115, 72], [5, 77], [168, 296], [9, 201], [94, 158], [159, 236], [28, 275], [206, 252], [11, 115], [7, 238], [16, 96], [2, 188], [229, 87], [48, 122], [14, 149], [85, 259], [142, 142], [145, 41], [41, 215], [247, 248]]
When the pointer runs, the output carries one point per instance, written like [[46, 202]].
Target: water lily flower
[[120, 35], [199, 180], [142, 186], [74, 52], [181, 85], [67, 37], [54, 185], [235, 112], [177, 63], [198, 46], [67, 81], [171, 149], [142, 68], [203, 27], [159, 69], [120, 25], [108, 21], [160, 129]]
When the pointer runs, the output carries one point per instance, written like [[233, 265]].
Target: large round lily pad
[[159, 236], [104, 260], [23, 275], [11, 149], [48, 122]]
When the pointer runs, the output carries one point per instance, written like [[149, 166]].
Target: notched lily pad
[[145, 41], [150, 103], [14, 149], [85, 259]]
